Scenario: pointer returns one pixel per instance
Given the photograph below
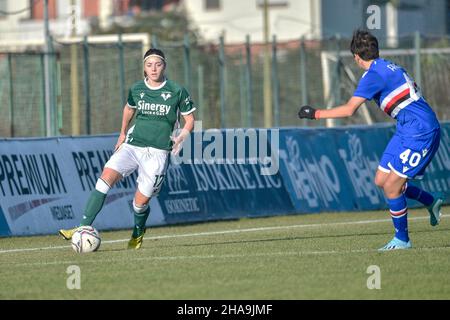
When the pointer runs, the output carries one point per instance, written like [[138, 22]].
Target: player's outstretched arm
[[342, 111]]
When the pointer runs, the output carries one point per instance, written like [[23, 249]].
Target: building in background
[[314, 19], [234, 19], [66, 17], [398, 17], [23, 19]]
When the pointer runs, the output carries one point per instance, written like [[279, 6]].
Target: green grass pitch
[[315, 256]]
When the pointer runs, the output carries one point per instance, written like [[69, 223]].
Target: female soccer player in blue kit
[[414, 143]]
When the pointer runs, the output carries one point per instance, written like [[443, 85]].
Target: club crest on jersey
[[166, 95], [142, 95]]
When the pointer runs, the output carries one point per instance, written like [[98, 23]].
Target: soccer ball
[[86, 239]]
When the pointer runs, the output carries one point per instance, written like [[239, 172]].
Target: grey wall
[[426, 16]]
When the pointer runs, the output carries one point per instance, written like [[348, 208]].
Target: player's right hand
[[307, 112]]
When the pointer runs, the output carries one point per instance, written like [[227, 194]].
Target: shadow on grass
[[163, 244], [290, 238]]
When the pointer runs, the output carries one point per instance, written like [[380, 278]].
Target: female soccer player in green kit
[[146, 145]]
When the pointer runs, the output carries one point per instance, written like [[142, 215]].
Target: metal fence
[[90, 82]]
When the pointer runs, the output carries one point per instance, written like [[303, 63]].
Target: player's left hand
[[307, 112], [178, 141], [120, 141]]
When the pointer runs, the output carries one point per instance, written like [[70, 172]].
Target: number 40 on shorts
[[412, 159]]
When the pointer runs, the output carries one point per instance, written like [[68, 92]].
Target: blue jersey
[[397, 95]]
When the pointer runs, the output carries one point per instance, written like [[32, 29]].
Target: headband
[[155, 55]]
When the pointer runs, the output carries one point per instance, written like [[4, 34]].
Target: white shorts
[[151, 164]]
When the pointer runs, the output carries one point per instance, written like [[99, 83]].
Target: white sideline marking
[[224, 256], [226, 232]]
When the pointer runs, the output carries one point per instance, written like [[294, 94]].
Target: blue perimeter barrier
[[44, 183]]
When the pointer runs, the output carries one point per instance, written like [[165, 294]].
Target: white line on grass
[[199, 234], [198, 257]]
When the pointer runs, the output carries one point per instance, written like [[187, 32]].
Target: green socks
[[139, 222], [93, 207], [95, 204]]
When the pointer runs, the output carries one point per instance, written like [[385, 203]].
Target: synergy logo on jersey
[[155, 109], [166, 95]]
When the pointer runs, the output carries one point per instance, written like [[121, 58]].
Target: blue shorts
[[408, 157]]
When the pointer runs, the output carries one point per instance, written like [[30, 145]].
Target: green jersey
[[157, 112]]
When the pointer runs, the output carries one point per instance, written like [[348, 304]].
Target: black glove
[[307, 112]]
